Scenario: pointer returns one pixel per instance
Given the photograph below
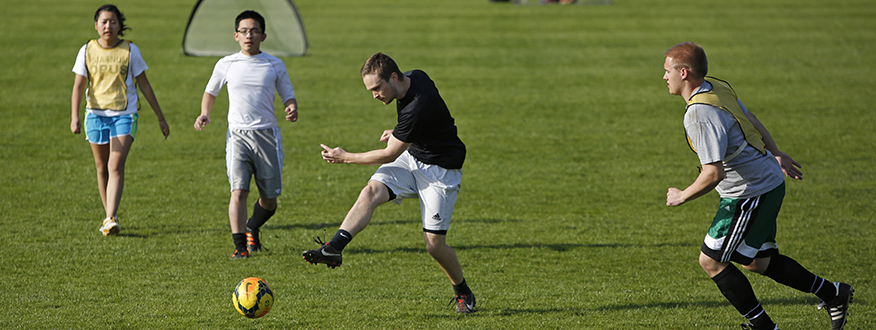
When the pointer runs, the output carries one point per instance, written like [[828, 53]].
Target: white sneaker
[[110, 226]]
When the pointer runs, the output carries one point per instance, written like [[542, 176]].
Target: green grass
[[572, 138]]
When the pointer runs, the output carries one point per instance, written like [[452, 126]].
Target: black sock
[[340, 240], [789, 272], [736, 288], [461, 288], [259, 217], [239, 241]]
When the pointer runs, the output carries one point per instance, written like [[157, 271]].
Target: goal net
[[210, 29]]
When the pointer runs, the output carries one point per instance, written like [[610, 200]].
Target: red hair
[[690, 56]]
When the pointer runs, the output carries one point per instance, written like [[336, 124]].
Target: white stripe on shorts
[[737, 233]]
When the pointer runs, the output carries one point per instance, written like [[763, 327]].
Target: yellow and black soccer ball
[[252, 297]]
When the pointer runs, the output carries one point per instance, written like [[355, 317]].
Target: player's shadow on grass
[[555, 247], [331, 226], [708, 304], [123, 234], [334, 225], [589, 311], [563, 247]]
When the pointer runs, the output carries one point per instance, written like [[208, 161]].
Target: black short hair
[[115, 10], [250, 14]]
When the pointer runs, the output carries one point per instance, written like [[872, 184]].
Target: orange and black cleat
[[238, 254]]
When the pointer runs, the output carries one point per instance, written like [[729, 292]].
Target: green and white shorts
[[744, 229]]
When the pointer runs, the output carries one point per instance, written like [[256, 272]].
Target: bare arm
[[394, 148], [206, 107], [790, 167], [708, 179], [76, 102], [146, 89]]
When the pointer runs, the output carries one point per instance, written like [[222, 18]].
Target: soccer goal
[[211, 26]]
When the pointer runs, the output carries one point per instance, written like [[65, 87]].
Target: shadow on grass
[[310, 226], [335, 225], [586, 311], [555, 247], [558, 247], [164, 230], [708, 304], [563, 247], [123, 234]]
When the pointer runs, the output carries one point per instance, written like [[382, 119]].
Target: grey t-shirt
[[715, 135]]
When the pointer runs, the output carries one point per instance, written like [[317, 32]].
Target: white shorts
[[256, 153], [435, 186]]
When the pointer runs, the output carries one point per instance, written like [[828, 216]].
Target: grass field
[[561, 223]]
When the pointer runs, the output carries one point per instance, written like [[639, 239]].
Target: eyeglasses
[[250, 32]]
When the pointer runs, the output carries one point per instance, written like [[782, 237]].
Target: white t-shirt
[[715, 134], [137, 67], [251, 83]]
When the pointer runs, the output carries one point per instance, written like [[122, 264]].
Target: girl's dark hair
[[115, 10]]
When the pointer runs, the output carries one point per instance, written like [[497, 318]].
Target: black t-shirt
[[425, 122]]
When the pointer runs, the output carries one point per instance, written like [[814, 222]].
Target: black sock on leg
[[239, 241], [340, 240], [461, 288], [789, 272], [736, 288], [259, 217]]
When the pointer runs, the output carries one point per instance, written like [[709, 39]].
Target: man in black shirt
[[423, 159]]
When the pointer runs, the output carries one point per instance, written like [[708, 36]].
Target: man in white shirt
[[253, 142]]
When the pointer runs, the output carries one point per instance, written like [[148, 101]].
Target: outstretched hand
[[333, 156], [790, 167]]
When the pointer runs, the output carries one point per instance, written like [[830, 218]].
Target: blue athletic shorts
[[100, 129]]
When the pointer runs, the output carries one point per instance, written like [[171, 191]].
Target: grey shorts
[[435, 186], [256, 153]]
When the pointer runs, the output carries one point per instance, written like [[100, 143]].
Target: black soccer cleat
[[253, 243], [839, 307], [465, 303], [238, 254], [325, 254]]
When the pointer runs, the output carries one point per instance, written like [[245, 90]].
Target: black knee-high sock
[[736, 288], [340, 240], [259, 217], [789, 272]]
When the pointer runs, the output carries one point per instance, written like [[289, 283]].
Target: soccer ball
[[252, 297]]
